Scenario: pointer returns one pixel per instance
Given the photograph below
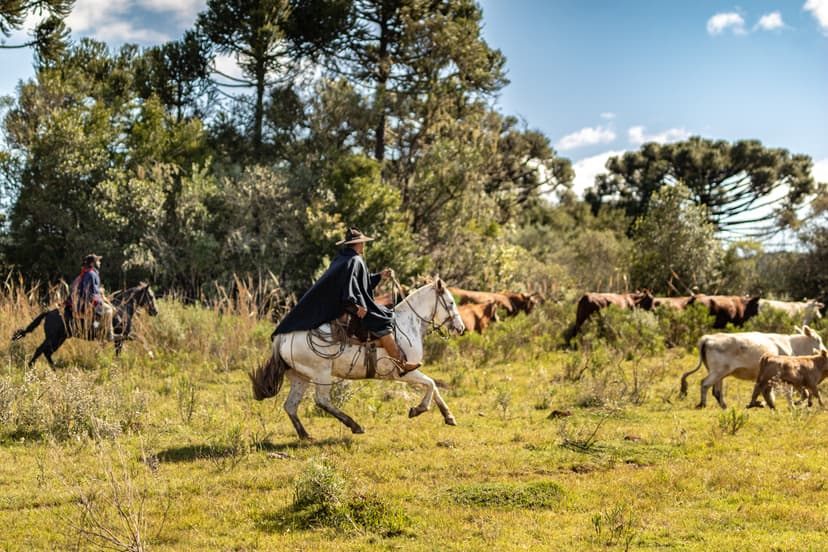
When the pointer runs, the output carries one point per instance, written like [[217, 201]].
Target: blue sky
[[600, 78]]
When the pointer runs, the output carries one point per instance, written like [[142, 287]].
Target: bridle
[[429, 322]]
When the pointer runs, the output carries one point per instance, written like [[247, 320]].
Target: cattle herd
[[799, 359]]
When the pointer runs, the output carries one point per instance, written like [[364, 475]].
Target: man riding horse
[[348, 287], [86, 307]]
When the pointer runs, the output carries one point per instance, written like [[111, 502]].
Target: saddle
[[347, 329]]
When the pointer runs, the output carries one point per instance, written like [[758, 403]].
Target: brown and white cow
[[738, 355], [804, 311], [729, 309], [590, 303], [803, 373], [478, 317]]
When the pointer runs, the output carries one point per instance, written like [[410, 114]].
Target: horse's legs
[[418, 378], [323, 400], [46, 349], [298, 385]]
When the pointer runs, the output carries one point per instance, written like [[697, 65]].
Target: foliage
[[673, 240], [728, 179]]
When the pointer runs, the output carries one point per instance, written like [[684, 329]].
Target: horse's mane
[[128, 291]]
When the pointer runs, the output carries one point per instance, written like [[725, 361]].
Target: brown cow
[[521, 302], [478, 317], [678, 303], [387, 299], [590, 303], [729, 309], [803, 373], [466, 297]]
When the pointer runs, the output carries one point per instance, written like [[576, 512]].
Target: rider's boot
[[390, 345]]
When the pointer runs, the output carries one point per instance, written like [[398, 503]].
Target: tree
[[270, 39], [743, 185], [406, 51], [673, 240], [178, 73], [49, 37]]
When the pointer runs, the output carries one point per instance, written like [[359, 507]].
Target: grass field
[[165, 449]]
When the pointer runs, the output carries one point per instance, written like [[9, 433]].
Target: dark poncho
[[344, 285]]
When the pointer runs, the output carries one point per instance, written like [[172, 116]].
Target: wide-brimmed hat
[[353, 235], [91, 259]]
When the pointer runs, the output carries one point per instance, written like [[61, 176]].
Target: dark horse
[[57, 330]]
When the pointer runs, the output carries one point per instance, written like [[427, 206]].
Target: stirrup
[[405, 366]]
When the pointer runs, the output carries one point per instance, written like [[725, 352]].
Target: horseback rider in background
[[86, 307]]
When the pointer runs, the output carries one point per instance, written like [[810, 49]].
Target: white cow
[[738, 354], [807, 311]]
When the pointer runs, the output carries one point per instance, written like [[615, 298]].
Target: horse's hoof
[[414, 411], [755, 404], [358, 430], [451, 421], [700, 406]]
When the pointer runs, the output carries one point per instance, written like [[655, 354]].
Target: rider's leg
[[105, 313], [390, 345]]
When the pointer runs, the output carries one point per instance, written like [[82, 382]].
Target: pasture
[[555, 449]]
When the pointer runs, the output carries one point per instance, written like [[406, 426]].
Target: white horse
[[314, 356]]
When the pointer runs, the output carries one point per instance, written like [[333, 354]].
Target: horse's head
[[146, 298], [446, 313]]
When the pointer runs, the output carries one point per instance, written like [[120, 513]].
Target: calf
[[478, 317], [738, 354], [803, 373]]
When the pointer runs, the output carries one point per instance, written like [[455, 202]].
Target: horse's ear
[[438, 283]]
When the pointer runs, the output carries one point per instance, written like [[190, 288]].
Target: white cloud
[[123, 31], [608, 115], [637, 135], [115, 20], [588, 168], [228, 66], [771, 21], [723, 21], [819, 9], [184, 10], [586, 137], [820, 170]]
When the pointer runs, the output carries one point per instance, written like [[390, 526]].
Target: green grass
[[171, 435]]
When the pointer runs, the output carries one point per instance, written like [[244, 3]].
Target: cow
[[738, 355], [804, 373], [590, 303], [729, 309], [804, 311], [466, 297], [677, 303], [478, 317], [390, 299], [521, 302]]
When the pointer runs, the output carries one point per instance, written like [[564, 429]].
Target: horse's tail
[[268, 377], [30, 328]]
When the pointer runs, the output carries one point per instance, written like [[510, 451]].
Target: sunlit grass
[[544, 457]]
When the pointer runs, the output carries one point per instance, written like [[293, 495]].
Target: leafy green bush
[[324, 497], [684, 328]]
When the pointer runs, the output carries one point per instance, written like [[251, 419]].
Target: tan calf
[[804, 373]]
